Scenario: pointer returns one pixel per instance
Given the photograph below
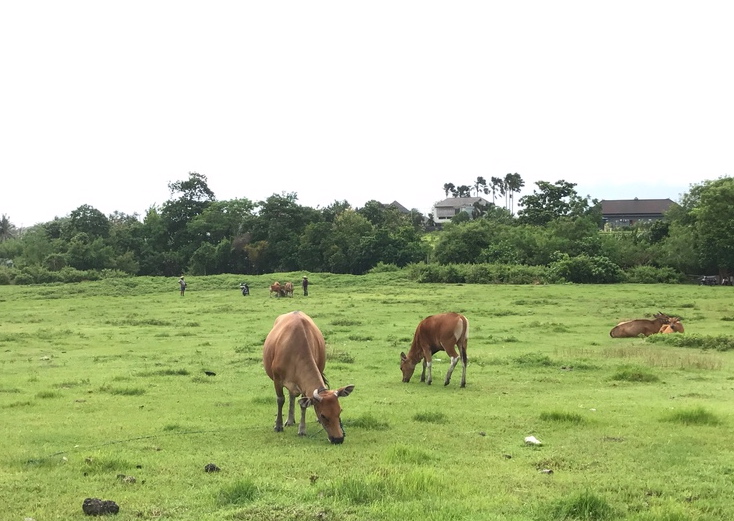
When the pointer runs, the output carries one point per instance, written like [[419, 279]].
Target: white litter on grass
[[532, 440]]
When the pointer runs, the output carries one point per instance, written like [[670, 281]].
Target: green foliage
[[653, 275], [479, 273], [584, 269], [705, 342]]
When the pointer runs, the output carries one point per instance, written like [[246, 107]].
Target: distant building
[[628, 212], [445, 210]]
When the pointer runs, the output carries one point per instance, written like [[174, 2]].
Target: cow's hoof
[[301, 433], [446, 382], [278, 429]]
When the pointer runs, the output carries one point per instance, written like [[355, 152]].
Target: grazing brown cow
[[294, 356], [437, 333], [675, 326], [642, 326], [275, 288], [288, 289]]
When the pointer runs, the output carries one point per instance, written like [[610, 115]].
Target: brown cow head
[[407, 366], [328, 411]]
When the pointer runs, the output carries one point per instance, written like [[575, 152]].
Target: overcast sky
[[105, 103]]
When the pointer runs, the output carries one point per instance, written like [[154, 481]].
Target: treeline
[[555, 236]]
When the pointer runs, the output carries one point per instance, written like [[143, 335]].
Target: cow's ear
[[345, 391], [402, 356], [304, 402]]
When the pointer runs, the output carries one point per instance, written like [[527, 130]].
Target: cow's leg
[[423, 373], [464, 361], [454, 357], [280, 399], [427, 363], [291, 410], [302, 424]]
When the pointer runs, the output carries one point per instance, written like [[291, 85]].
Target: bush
[[584, 269], [653, 275], [479, 273]]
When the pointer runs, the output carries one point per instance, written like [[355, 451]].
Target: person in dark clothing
[[304, 284], [182, 285]]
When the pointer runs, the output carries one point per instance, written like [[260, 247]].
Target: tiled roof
[[635, 206], [459, 202]]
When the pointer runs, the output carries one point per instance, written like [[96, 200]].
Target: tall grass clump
[[697, 416], [584, 506], [430, 417], [384, 486], [705, 342], [366, 421], [634, 374], [238, 493], [562, 417]]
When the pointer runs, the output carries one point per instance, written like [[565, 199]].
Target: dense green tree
[[87, 219], [449, 188], [551, 201], [714, 216]]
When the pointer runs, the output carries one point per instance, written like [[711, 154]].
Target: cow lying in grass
[[642, 326], [675, 326]]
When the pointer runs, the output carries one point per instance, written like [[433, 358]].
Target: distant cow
[[675, 326], [437, 333], [276, 288], [294, 356], [642, 326], [288, 289]]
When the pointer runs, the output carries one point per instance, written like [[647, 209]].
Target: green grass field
[[103, 393]]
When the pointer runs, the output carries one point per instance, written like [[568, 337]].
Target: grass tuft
[[533, 360], [631, 374], [697, 416], [430, 417], [367, 422], [585, 506], [562, 417], [122, 391], [238, 493], [335, 355], [401, 454]]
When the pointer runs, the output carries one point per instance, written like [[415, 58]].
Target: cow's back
[[294, 347], [441, 329]]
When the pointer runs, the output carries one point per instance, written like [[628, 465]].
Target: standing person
[[304, 283], [182, 285]]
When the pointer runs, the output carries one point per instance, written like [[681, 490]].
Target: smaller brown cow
[[276, 288], [288, 289], [642, 326], [437, 333], [675, 326]]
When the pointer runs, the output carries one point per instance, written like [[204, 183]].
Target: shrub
[[584, 269], [653, 275]]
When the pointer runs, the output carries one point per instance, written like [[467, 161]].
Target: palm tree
[[513, 184], [7, 229], [448, 187], [497, 188], [480, 183]]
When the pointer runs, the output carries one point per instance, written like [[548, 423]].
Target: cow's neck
[[311, 380], [415, 354]]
